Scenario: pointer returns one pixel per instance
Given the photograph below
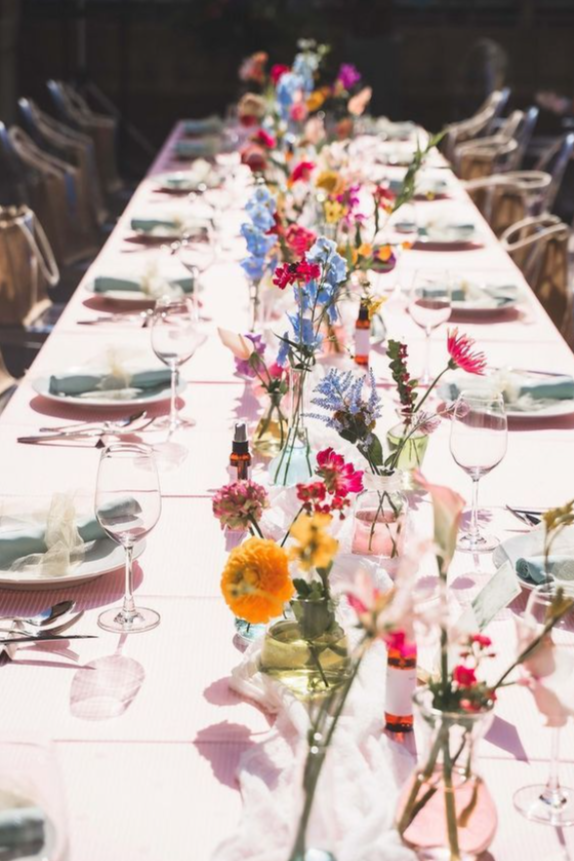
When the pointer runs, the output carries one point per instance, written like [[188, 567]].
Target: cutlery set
[[48, 625], [87, 430], [532, 517]]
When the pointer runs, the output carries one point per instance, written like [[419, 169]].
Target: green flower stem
[[255, 526], [316, 757], [431, 387], [292, 524], [449, 801], [411, 808]]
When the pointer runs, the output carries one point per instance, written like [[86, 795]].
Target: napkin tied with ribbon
[[50, 544]]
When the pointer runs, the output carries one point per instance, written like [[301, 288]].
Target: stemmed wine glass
[[478, 441], [128, 506], [430, 306], [175, 336], [550, 803]]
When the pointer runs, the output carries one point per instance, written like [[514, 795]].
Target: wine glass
[[33, 822], [430, 306], [175, 336], [478, 441], [128, 506], [550, 803]]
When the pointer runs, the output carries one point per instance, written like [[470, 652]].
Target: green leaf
[[376, 451]]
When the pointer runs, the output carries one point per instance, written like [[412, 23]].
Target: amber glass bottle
[[240, 460], [401, 684], [363, 336]]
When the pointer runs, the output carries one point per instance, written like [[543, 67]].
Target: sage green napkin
[[447, 232], [205, 126], [107, 283], [502, 294], [203, 147], [79, 384], [148, 225], [549, 389], [15, 543], [533, 569]]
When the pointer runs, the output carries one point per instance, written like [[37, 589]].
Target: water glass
[[478, 441], [551, 803], [32, 812], [430, 305], [128, 506], [175, 336]]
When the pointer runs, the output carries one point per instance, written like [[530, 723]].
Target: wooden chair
[[457, 133], [69, 145], [504, 199], [73, 109], [480, 158], [539, 247], [53, 189], [8, 384]]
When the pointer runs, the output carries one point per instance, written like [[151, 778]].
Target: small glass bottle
[[363, 336], [401, 685], [240, 460]]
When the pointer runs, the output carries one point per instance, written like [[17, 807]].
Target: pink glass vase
[[445, 811]]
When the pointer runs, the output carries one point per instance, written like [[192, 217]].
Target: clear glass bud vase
[[308, 652], [380, 517], [270, 434], [446, 812], [412, 445], [294, 463]]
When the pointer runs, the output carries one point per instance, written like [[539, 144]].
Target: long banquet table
[[157, 780]]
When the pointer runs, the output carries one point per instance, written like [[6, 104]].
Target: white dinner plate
[[123, 296], [41, 385], [481, 302], [553, 409], [101, 557]]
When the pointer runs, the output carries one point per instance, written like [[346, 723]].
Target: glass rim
[[431, 711], [140, 448], [468, 394]]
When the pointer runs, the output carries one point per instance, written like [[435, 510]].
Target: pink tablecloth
[[148, 733]]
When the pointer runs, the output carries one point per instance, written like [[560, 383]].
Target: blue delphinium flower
[[260, 209], [287, 88], [304, 332], [305, 65], [258, 243]]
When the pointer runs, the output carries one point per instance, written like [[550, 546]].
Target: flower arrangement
[[317, 280], [271, 379], [457, 690]]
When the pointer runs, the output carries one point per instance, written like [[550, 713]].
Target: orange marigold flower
[[255, 582]]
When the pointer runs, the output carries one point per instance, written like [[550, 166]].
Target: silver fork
[[106, 425], [527, 517]]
